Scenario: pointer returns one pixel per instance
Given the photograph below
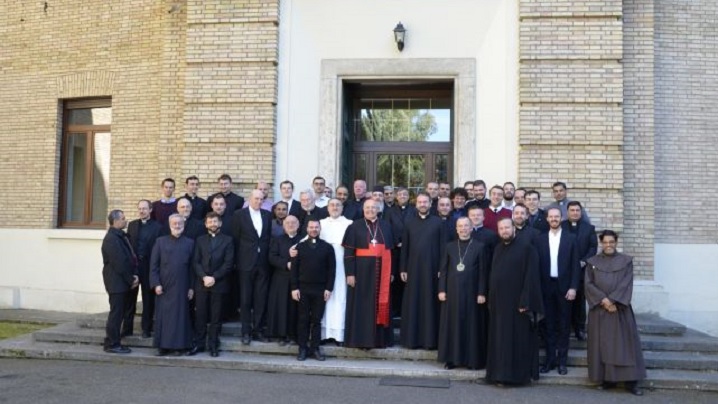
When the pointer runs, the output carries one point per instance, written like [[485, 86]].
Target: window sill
[[76, 234]]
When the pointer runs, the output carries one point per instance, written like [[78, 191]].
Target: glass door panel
[[405, 170]]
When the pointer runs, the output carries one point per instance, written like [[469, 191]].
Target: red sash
[[378, 251]]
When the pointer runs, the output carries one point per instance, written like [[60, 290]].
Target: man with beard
[[536, 215], [421, 252], [367, 262], [333, 229], [462, 293], [286, 188], [444, 189], [523, 230], [389, 196], [199, 205], [353, 208], [281, 308], [233, 201], [587, 245], [142, 233], [171, 279], [443, 211], [560, 274], [252, 227], [515, 307], [213, 261], [509, 190], [495, 211], [342, 194], [479, 198], [312, 284], [119, 274]]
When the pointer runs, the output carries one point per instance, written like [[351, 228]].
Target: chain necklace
[[373, 236], [460, 266]]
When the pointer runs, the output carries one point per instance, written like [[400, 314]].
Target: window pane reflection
[[406, 170], [404, 120], [100, 176], [76, 177]]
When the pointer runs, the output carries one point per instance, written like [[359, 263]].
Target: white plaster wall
[[313, 30], [689, 274], [57, 270]]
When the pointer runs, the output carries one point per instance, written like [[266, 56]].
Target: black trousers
[[254, 287], [578, 310], [558, 319], [119, 303], [311, 311], [148, 301], [208, 317]]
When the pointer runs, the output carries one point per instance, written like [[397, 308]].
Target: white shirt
[[256, 216], [554, 239], [321, 202]]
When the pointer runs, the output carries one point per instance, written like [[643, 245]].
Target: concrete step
[[688, 341], [70, 333], [26, 347], [655, 325]]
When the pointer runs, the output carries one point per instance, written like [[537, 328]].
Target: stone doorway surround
[[334, 71]]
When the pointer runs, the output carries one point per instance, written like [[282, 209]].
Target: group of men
[[478, 278]]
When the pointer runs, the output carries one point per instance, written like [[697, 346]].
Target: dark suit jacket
[[568, 262], [354, 209], [540, 222], [118, 265], [133, 231], [586, 241], [251, 250], [296, 208], [217, 262]]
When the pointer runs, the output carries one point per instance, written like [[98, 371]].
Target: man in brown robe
[[614, 347]]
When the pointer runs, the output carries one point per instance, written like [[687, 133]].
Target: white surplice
[[333, 322]]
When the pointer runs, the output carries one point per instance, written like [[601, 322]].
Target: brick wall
[[571, 90], [686, 121]]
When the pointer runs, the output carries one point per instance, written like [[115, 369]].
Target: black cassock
[[513, 341], [281, 308], [464, 322], [361, 328], [421, 252], [170, 268]]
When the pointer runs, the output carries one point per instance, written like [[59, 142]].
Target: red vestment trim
[[378, 251]]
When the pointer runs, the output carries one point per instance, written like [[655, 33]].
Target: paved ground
[[42, 381]]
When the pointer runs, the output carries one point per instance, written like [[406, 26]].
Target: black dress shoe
[[318, 355], [162, 352], [177, 352], [214, 353], [562, 370], [118, 350], [260, 337], [302, 356], [146, 334], [449, 366], [246, 339], [580, 335], [606, 386], [194, 351], [632, 387], [547, 367], [283, 342]]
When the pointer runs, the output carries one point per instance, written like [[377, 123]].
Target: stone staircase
[[676, 357]]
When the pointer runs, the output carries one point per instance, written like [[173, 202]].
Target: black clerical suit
[[119, 267], [587, 244], [316, 213], [200, 207], [142, 236], [252, 261], [554, 289], [538, 221], [314, 270], [354, 209], [213, 256]]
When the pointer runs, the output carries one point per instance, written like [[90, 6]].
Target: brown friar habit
[[367, 320], [514, 282], [464, 322], [614, 348]]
